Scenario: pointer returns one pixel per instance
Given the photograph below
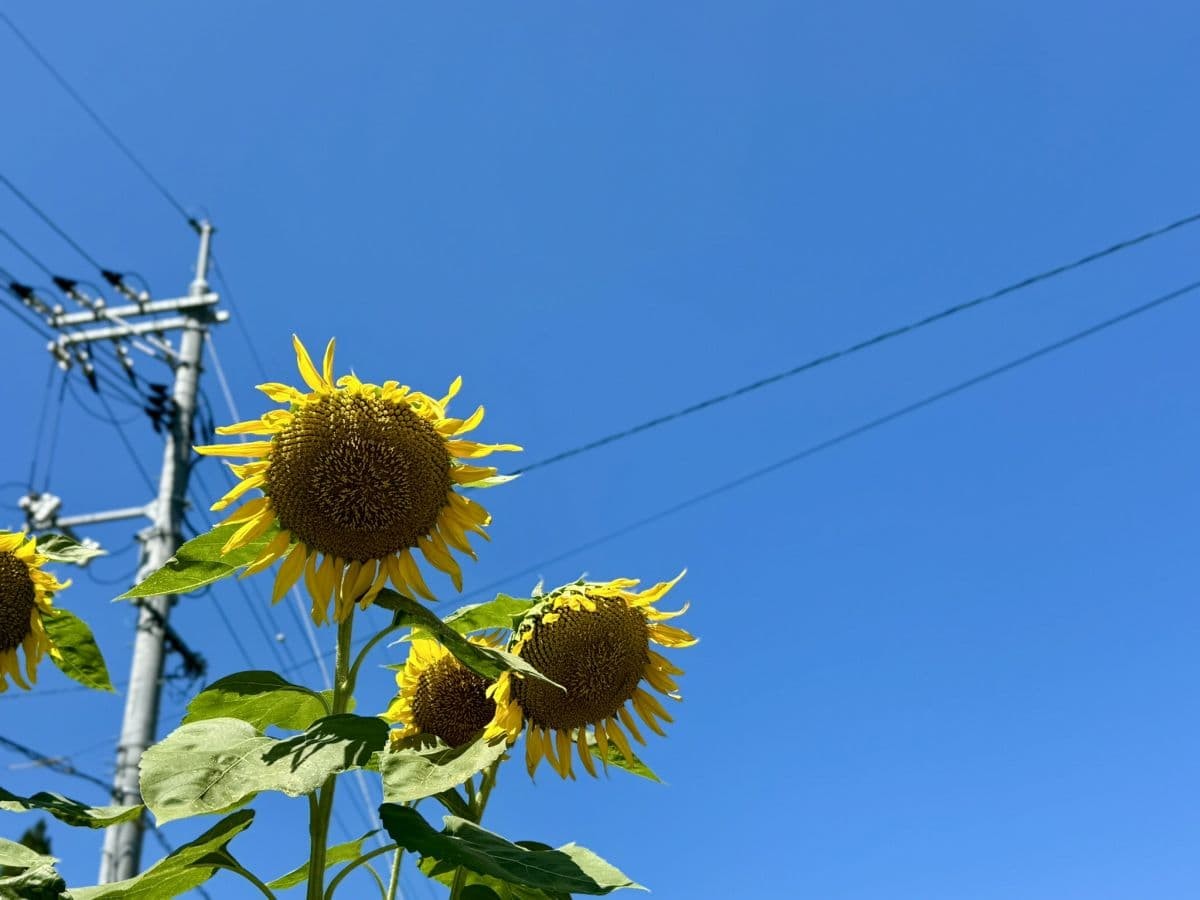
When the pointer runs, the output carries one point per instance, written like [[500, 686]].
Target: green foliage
[[502, 612], [60, 548], [422, 766], [39, 883], [260, 698], [340, 853], [70, 811], [617, 758], [75, 650], [486, 661], [568, 869], [188, 867], [477, 884], [216, 765], [199, 562], [19, 856]]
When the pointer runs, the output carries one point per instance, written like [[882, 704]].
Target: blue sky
[[952, 658]]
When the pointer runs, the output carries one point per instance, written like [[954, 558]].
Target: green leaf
[[60, 548], [341, 853], [18, 856], [187, 868], [485, 661], [260, 698], [216, 765], [199, 562], [617, 758], [502, 889], [423, 766], [70, 811], [569, 869], [40, 883], [75, 650], [502, 612]]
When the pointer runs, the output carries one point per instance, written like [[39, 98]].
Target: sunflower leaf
[[67, 810], [422, 766], [502, 612], [38, 883], [199, 562], [616, 758], [188, 867], [444, 874], [215, 765], [569, 869], [259, 697], [75, 650], [338, 854], [18, 856], [486, 661], [60, 548]]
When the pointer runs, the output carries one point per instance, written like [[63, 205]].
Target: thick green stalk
[[478, 804], [318, 826], [394, 881]]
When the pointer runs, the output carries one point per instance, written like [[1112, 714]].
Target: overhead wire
[[100, 123], [842, 437], [873, 341]]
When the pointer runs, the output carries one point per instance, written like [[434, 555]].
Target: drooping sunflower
[[356, 477], [26, 596], [594, 639], [440, 696]]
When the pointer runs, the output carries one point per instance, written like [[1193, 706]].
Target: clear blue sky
[[953, 658]]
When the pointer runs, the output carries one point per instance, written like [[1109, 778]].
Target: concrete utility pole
[[123, 843]]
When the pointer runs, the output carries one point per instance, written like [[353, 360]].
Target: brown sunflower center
[[358, 477], [17, 597], [451, 702], [597, 656]]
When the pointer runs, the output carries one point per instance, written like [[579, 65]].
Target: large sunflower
[[440, 696], [595, 640], [26, 596], [356, 476]]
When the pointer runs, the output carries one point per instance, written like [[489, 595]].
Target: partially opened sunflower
[[26, 597], [355, 477], [594, 639], [440, 696]]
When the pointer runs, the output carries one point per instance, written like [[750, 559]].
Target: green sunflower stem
[[318, 827], [478, 804]]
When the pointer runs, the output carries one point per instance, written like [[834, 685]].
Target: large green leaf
[[216, 765], [60, 548], [187, 868], [70, 811], [444, 874], [569, 869], [38, 883], [199, 562], [486, 661], [502, 612], [423, 766], [76, 652], [260, 698], [18, 856], [338, 854]]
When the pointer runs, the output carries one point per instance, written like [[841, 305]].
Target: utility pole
[[123, 843]]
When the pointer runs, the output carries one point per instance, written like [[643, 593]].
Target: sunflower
[[26, 596], [438, 695], [356, 477], [595, 640]]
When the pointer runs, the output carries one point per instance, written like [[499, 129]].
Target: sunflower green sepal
[[199, 562]]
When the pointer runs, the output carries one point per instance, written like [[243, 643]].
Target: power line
[[100, 123], [41, 214], [239, 321], [59, 764], [843, 437], [863, 345]]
